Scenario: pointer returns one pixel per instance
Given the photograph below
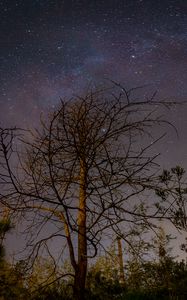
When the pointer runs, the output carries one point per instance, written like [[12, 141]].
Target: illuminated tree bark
[[120, 259], [81, 269]]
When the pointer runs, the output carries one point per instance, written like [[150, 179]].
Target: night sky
[[52, 49]]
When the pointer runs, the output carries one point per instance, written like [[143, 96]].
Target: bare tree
[[84, 173]]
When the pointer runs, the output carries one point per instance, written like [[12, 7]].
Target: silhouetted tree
[[85, 171], [172, 191]]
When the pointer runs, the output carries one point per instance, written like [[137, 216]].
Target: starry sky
[[51, 49], [55, 48]]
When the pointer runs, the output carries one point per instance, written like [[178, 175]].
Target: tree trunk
[[81, 270], [120, 259], [79, 282]]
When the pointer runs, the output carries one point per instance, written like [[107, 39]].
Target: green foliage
[[5, 226], [11, 284], [45, 280], [163, 279], [179, 171], [165, 176], [103, 277], [172, 190]]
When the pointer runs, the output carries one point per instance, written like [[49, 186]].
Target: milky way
[[52, 49]]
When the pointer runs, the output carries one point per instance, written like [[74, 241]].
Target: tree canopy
[[86, 172]]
